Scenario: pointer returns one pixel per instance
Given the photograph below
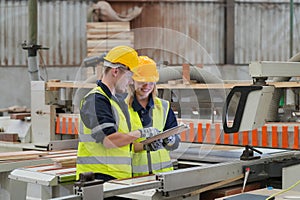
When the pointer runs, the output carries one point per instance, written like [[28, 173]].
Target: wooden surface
[[231, 190], [9, 137], [285, 196], [50, 85], [102, 36], [21, 155], [63, 158], [20, 116]]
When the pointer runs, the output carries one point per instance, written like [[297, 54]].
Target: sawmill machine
[[54, 107], [206, 166]]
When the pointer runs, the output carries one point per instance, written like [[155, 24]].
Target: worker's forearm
[[120, 139]]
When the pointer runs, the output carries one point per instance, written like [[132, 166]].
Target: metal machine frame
[[169, 185]]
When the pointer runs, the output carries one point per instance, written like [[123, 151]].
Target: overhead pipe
[[174, 73]]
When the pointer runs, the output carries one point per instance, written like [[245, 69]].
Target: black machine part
[[87, 179], [248, 153]]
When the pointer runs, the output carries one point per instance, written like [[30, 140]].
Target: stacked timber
[[102, 36], [20, 155], [9, 137], [63, 158]]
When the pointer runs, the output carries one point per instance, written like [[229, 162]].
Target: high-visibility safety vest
[[144, 162], [94, 157]]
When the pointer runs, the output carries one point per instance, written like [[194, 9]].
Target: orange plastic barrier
[[66, 125], [272, 135]]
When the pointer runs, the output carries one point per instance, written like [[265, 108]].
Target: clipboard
[[172, 131]]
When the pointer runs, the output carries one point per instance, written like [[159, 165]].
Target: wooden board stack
[[63, 158], [102, 36], [21, 155]]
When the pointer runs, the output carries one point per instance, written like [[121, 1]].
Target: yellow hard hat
[[146, 70], [124, 55]]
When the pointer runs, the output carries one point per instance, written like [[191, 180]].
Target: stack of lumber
[[102, 36], [20, 116], [9, 137], [64, 174], [15, 109], [63, 158], [21, 155]]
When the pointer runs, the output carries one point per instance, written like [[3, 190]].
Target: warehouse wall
[[176, 31], [15, 83], [61, 28], [261, 28]]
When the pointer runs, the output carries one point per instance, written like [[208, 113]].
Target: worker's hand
[[148, 132], [171, 143], [154, 146]]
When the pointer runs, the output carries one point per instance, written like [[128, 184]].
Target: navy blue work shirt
[[97, 110], [146, 115]]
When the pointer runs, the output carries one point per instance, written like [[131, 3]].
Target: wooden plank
[[59, 171], [20, 116], [178, 86], [217, 193], [59, 159], [50, 85], [20, 154], [103, 36], [107, 43], [15, 109], [105, 32], [70, 163], [67, 161], [186, 73], [42, 168], [9, 137], [16, 157], [214, 186], [4, 110], [64, 151], [65, 155], [122, 26], [52, 169], [110, 36]]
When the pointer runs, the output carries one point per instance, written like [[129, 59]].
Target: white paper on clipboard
[[172, 131]]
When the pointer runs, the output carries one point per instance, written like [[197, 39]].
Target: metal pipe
[[32, 33], [200, 75], [291, 26]]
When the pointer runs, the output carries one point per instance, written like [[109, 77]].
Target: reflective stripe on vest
[[100, 127], [92, 156], [160, 159], [104, 160]]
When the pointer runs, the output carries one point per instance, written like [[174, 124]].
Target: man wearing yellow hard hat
[[147, 110], [104, 138]]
